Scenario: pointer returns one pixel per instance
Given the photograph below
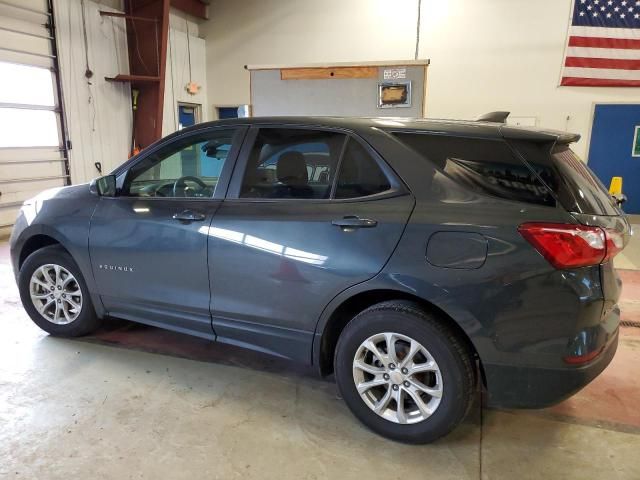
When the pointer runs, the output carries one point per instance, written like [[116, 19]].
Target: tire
[[453, 376], [73, 322]]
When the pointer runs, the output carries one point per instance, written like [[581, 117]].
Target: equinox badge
[[118, 268]]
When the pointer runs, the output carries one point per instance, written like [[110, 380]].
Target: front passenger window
[[190, 167]]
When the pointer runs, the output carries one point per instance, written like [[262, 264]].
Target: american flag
[[603, 47]]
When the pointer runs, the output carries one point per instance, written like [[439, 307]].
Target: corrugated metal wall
[[98, 112]]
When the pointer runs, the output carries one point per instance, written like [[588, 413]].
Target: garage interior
[[86, 84]]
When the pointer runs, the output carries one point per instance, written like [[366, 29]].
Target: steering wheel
[[181, 183], [153, 190]]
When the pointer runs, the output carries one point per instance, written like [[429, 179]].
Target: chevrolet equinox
[[413, 259]]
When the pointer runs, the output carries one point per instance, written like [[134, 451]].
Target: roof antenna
[[496, 117]]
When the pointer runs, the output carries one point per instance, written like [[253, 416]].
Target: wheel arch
[[35, 237], [34, 243], [326, 337]]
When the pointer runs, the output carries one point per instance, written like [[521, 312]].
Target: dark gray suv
[[412, 258]]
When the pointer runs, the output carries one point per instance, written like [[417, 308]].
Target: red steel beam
[[147, 45]]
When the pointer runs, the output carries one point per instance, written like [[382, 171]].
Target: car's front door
[[309, 213], [148, 244]]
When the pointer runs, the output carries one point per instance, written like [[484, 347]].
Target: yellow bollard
[[616, 186]]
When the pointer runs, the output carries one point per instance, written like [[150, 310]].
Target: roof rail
[[496, 117]]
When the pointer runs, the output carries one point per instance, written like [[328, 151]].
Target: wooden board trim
[[384, 63], [328, 73]]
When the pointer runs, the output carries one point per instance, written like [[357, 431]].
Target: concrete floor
[[138, 402]]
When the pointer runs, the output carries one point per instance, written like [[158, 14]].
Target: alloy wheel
[[55, 294], [397, 378]]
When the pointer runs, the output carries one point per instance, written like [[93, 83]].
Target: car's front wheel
[[55, 295], [404, 373]]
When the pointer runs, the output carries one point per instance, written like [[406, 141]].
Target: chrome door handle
[[351, 221], [189, 216]]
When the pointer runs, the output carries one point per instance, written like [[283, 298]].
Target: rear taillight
[[615, 243], [572, 246]]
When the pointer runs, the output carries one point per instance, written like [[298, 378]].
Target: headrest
[[292, 169]]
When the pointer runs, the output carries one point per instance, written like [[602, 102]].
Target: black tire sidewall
[[86, 322], [456, 389]]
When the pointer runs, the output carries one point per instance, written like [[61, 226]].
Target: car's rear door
[[284, 242], [148, 244]]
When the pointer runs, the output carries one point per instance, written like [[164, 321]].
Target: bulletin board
[[379, 89]]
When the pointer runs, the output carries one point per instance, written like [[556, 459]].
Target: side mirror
[[103, 186], [620, 198]]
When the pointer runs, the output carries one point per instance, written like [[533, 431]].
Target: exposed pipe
[[418, 30]]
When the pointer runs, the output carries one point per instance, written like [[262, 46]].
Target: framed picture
[[394, 94], [635, 151]]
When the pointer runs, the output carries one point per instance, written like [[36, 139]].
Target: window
[[292, 163], [27, 107], [301, 163], [360, 175], [188, 114], [574, 184], [189, 167], [485, 166], [588, 194]]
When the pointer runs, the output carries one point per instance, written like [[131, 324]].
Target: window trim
[[239, 133], [233, 192]]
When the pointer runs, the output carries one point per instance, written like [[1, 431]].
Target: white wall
[[98, 112], [486, 54], [296, 32], [178, 75], [498, 54]]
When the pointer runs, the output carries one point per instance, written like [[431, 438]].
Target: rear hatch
[[536, 167], [582, 194], [594, 206]]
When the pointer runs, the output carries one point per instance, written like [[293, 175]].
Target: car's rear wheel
[[404, 373], [55, 295]]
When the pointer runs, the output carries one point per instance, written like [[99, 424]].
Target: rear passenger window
[[292, 163], [485, 166], [360, 175], [302, 163]]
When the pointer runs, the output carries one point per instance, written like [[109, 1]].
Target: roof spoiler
[[495, 117], [566, 137]]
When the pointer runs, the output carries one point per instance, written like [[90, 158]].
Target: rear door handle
[[189, 216], [351, 222]]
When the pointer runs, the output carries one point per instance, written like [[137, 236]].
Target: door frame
[[197, 111], [590, 133], [592, 118]]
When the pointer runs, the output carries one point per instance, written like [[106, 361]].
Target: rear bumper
[[527, 387]]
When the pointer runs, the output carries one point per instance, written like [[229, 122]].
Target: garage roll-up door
[[32, 153]]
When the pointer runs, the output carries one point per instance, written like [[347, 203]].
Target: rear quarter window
[[360, 175], [590, 195], [485, 166], [574, 184]]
